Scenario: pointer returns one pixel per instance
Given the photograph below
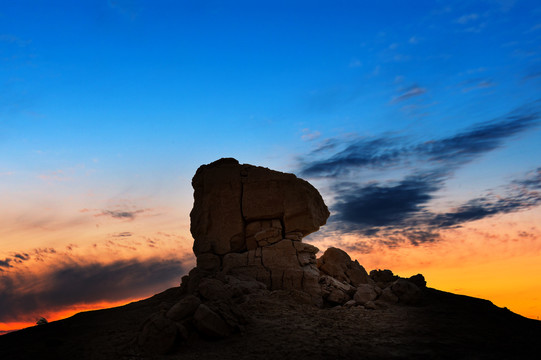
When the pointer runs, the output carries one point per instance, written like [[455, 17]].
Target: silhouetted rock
[[365, 293], [240, 207], [158, 334], [418, 280], [383, 278], [249, 221], [184, 308], [337, 263], [210, 324], [406, 291]]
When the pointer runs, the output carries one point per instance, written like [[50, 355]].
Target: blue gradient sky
[[107, 108]]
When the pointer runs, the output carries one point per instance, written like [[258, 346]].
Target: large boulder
[[249, 221], [231, 200]]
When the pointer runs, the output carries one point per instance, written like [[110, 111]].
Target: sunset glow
[[419, 123]]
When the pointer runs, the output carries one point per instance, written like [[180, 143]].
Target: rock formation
[[248, 223]]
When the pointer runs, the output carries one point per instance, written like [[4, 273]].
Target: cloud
[[355, 63], [389, 151], [475, 84], [483, 207], [535, 28], [129, 8], [532, 181], [15, 258], [308, 135], [8, 38], [395, 210], [464, 19], [57, 175], [21, 257], [376, 204], [26, 296], [122, 214], [392, 215], [532, 75], [408, 93], [123, 234], [414, 40]]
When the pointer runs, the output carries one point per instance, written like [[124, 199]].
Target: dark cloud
[[5, 263], [118, 214], [480, 208], [532, 75], [24, 297], [392, 212], [482, 138], [123, 234], [396, 214], [532, 181], [375, 205], [519, 195], [475, 84], [409, 93], [21, 257], [388, 151], [363, 152]]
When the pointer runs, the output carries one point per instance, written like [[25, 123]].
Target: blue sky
[[412, 118]]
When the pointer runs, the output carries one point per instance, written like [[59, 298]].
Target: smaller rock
[[210, 324], [334, 291], [158, 334], [387, 295], [406, 291], [350, 303], [370, 305], [337, 263], [383, 276], [184, 308], [364, 294], [213, 289], [418, 280], [334, 262]]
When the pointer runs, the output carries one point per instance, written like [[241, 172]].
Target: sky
[[419, 122]]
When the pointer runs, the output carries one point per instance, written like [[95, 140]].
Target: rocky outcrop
[[242, 207], [250, 221]]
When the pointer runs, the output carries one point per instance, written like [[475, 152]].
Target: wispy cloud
[[397, 210], [355, 63], [9, 38], [122, 214], [130, 8], [464, 19], [409, 93], [390, 151], [476, 84], [309, 135]]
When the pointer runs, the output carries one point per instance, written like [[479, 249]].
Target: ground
[[442, 326]]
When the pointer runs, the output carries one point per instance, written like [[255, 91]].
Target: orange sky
[[495, 258]]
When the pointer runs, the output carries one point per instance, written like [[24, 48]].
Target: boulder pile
[[248, 223]]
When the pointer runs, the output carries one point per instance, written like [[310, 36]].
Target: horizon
[[419, 126]]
